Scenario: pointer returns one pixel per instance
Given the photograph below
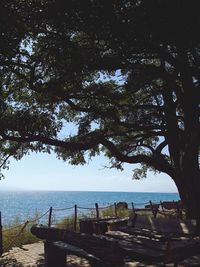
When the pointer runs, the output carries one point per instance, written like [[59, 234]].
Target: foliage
[[121, 213], [125, 73], [66, 223], [11, 231], [25, 238]]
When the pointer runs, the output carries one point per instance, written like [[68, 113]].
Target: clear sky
[[46, 172]]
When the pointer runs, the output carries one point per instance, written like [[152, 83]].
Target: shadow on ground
[[13, 263], [72, 261], [9, 263]]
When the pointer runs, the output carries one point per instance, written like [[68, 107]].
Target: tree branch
[[68, 145], [160, 163]]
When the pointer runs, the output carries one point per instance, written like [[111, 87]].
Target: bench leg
[[53, 257]]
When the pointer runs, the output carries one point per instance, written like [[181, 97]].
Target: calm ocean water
[[23, 205]]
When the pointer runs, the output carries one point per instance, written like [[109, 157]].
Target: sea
[[19, 206]]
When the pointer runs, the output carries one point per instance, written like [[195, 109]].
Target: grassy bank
[[13, 238], [16, 235]]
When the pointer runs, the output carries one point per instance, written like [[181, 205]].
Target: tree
[[126, 73]]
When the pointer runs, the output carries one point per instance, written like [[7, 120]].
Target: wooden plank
[[173, 251], [170, 227], [106, 250], [100, 227], [174, 226], [143, 232], [137, 251], [156, 244], [53, 256], [78, 252], [180, 250]]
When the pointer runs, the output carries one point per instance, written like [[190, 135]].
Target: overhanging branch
[[68, 145], [160, 163]]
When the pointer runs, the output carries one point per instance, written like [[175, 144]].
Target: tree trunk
[[188, 184]]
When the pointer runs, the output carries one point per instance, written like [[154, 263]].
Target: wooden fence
[[97, 209], [153, 207]]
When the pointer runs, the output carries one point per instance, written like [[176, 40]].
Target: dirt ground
[[32, 255]]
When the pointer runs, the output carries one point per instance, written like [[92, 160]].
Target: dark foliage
[[126, 73]]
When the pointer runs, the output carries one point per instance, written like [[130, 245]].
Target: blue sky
[[46, 172]]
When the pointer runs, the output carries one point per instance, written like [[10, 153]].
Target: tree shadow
[[9, 263], [40, 263]]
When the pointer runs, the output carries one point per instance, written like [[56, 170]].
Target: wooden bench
[[157, 250], [166, 227], [59, 243], [113, 248], [56, 254], [100, 250], [181, 237]]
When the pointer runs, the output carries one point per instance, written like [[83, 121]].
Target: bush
[[121, 213]]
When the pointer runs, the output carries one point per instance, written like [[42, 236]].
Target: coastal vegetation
[[14, 237], [124, 73]]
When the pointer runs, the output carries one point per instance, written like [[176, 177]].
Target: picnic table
[[114, 247]]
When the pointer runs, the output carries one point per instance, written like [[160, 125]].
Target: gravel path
[[32, 255]]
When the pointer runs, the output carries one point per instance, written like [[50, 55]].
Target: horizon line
[[72, 190]]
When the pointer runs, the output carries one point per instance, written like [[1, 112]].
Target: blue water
[[22, 205]]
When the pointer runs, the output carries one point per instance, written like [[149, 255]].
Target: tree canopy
[[125, 73]]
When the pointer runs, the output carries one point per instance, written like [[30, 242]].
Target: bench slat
[[156, 244], [78, 252], [105, 250], [137, 251]]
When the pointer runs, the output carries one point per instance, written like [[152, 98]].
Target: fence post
[[154, 208], [1, 237], [115, 206], [50, 216], [133, 208], [163, 210], [75, 217], [97, 210]]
